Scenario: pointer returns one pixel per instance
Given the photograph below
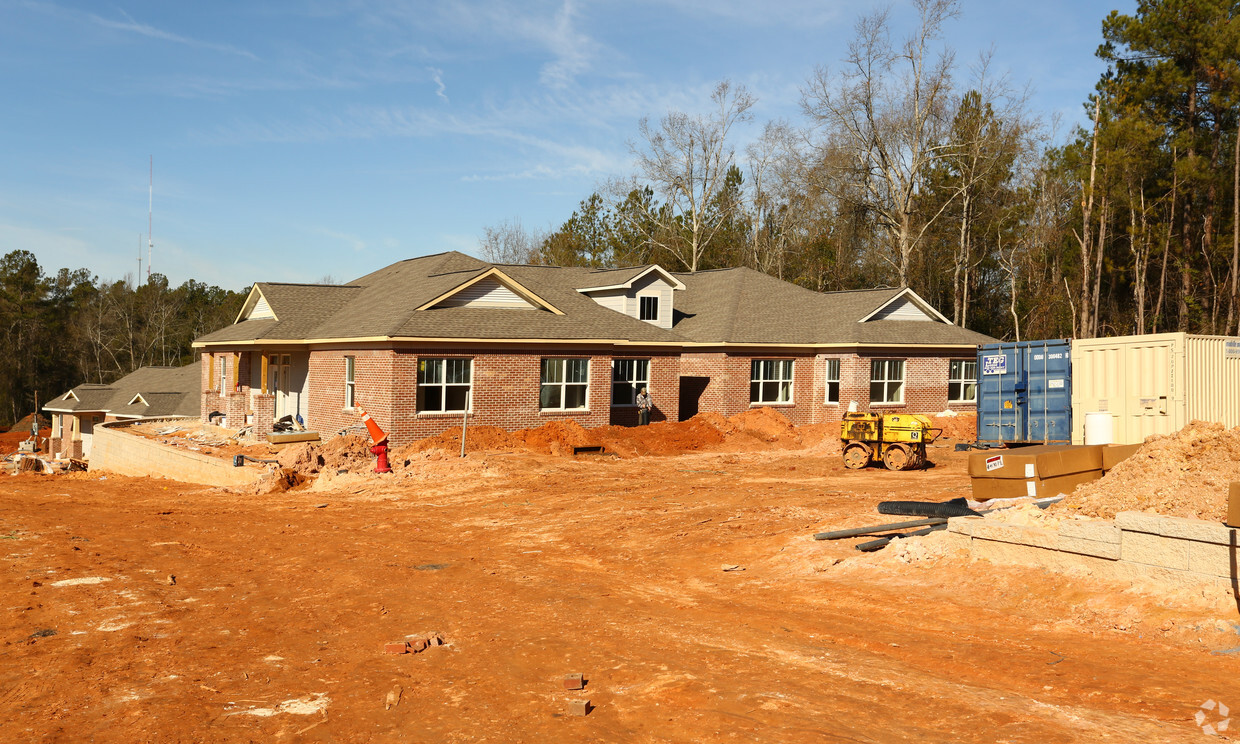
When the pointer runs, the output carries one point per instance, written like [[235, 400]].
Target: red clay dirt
[[144, 610]]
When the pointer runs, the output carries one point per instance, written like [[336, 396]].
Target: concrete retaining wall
[[117, 451], [1136, 546]]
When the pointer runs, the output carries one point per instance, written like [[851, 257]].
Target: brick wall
[[505, 388], [925, 384]]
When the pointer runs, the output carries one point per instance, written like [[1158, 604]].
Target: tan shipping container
[[1155, 384]]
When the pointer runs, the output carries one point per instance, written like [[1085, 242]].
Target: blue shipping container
[[1024, 393]]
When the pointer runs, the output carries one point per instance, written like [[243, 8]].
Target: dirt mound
[[763, 424], [303, 458], [962, 426], [345, 453], [23, 425], [1181, 475], [556, 437]]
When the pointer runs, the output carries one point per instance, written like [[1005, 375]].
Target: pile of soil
[[23, 426], [961, 427], [1185, 474]]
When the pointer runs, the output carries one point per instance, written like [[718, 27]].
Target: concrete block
[[579, 707], [1098, 549], [396, 647], [1090, 529], [1185, 529], [963, 525], [1016, 534], [417, 645], [574, 682], [1154, 550], [1210, 559]]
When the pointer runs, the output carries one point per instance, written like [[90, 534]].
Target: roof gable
[[906, 305], [491, 289], [256, 307], [627, 282]]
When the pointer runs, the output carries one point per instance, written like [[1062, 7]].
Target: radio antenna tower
[[138, 279], [150, 204]]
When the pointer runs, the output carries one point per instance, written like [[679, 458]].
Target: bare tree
[[510, 243], [887, 111], [685, 160]]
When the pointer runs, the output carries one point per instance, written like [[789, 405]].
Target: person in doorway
[[645, 404]]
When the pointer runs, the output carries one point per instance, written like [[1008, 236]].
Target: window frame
[[641, 307], [827, 381], [886, 382], [563, 384], [443, 385], [778, 366], [962, 381], [635, 381], [350, 383]]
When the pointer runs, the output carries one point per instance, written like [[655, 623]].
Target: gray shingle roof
[[737, 306], [168, 391]]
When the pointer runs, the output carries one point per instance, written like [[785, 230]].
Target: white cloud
[[437, 78], [132, 26]]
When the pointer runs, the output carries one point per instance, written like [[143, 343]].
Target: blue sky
[[298, 140]]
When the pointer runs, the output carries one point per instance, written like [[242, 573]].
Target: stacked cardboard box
[[1114, 454], [1039, 471]]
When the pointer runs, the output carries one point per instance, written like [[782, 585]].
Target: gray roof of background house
[[736, 306], [168, 391]]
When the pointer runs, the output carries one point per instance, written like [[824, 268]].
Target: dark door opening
[[691, 389]]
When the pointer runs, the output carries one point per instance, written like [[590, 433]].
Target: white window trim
[[826, 381], [443, 386], [350, 386], [903, 382], [792, 388], [962, 381], [563, 384], [640, 383]]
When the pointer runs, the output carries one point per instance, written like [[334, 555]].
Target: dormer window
[[648, 309]]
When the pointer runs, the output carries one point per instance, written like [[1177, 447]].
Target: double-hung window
[[350, 382], [565, 384], [962, 381], [833, 381], [770, 381], [443, 385], [887, 381], [648, 308], [628, 376]]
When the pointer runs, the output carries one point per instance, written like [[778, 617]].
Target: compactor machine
[[898, 439]]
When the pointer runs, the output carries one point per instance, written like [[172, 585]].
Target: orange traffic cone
[[378, 435]]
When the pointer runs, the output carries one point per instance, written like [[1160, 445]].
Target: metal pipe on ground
[[855, 531], [872, 545]]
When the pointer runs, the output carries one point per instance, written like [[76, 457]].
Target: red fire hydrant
[[380, 453]]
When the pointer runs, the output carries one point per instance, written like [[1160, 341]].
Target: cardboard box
[[1113, 454], [1233, 505], [1038, 488], [1040, 461]]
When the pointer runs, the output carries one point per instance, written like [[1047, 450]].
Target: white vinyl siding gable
[[902, 309], [262, 310], [489, 292]]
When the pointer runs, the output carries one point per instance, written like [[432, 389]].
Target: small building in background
[[149, 392]]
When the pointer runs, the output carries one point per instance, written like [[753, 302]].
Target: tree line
[[909, 169], [71, 327]]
